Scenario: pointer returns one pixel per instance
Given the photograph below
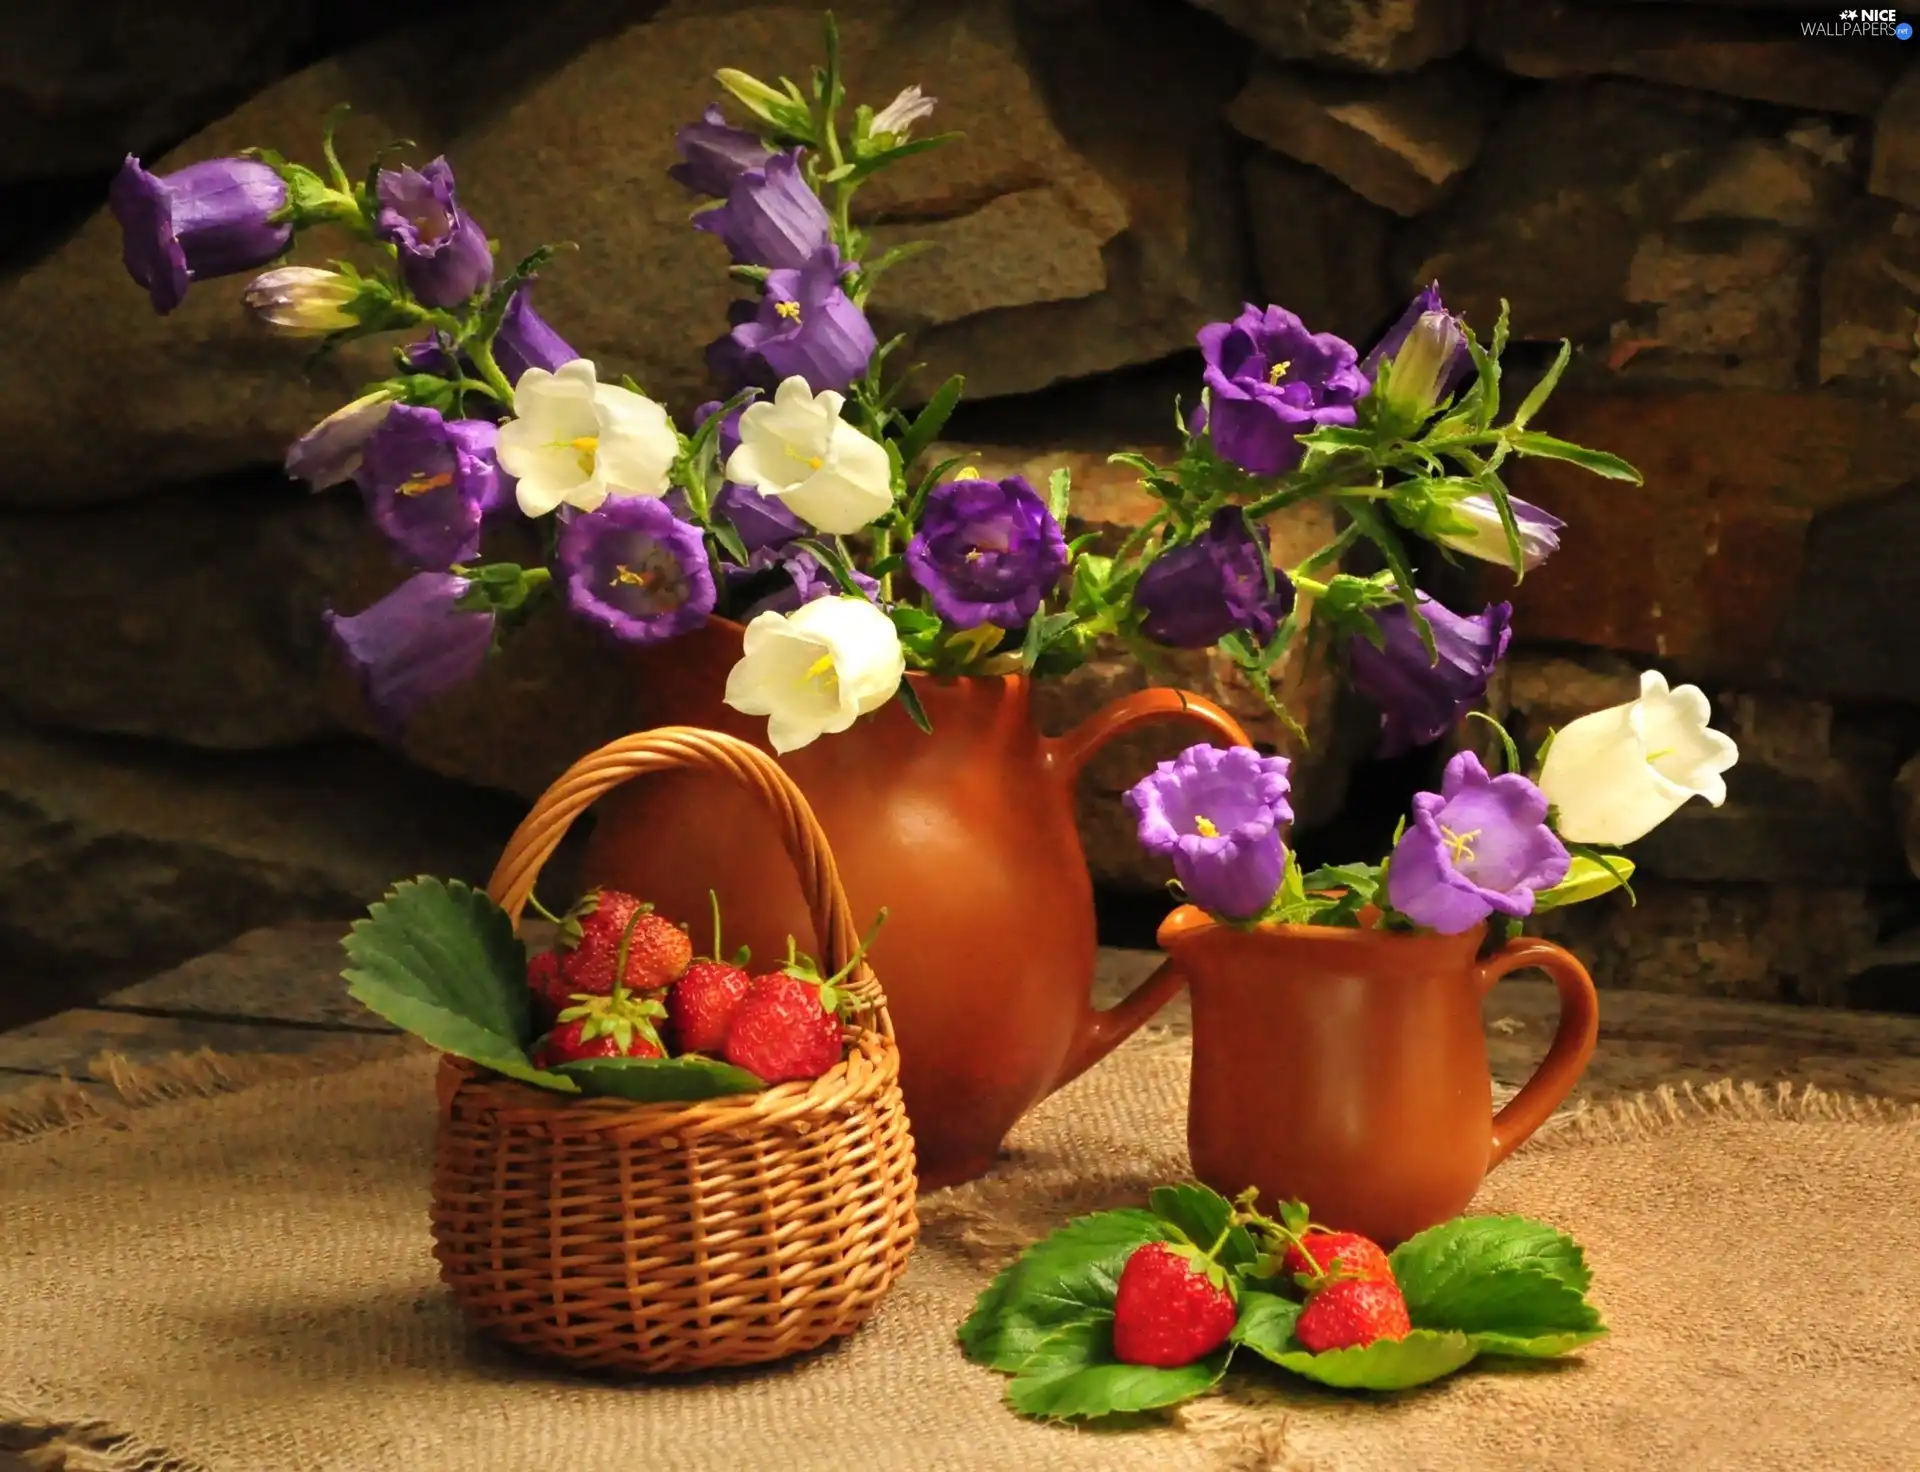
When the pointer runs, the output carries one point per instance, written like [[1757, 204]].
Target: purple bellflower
[[1421, 699], [413, 645], [216, 218], [1216, 812], [443, 254], [1479, 846], [1269, 381], [986, 552], [1197, 594]]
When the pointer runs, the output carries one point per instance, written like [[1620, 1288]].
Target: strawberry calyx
[[805, 968], [1202, 1262], [1290, 1230], [621, 1016]]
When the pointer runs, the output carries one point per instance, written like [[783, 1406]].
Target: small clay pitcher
[[965, 834], [1347, 1068]]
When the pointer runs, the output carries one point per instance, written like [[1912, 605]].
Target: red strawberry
[[594, 932], [1356, 1257], [701, 1006], [1351, 1312], [782, 1031], [1173, 1307], [618, 1026], [548, 986], [569, 1042]]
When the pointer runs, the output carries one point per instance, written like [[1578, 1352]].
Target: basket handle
[[676, 748]]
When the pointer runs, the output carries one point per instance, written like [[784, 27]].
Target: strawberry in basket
[[701, 1004], [619, 1022], [789, 1026], [611, 938]]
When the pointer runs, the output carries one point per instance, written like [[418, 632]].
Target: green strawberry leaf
[[1201, 1216], [439, 960], [1266, 1322], [1067, 1278], [1473, 1245], [1536, 1347], [660, 1080], [1072, 1375], [1423, 1356], [1505, 1276]]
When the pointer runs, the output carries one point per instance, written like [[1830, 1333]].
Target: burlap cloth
[[242, 1283]]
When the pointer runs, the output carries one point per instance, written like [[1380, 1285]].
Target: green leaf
[[1473, 1245], [1060, 494], [1107, 1387], [1587, 879], [830, 557], [1543, 390], [1496, 1275], [1043, 632], [1201, 1215], [1506, 741], [1546, 447], [928, 423], [1423, 1356], [916, 712], [1536, 1347], [439, 960], [1266, 1322], [661, 1080], [1067, 1278], [933, 478]]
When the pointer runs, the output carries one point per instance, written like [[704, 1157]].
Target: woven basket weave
[[673, 1237]]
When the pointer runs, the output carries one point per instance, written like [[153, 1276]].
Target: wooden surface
[[279, 991]]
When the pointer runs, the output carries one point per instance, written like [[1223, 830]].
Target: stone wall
[[1725, 218]]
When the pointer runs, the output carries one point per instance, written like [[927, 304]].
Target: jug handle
[[1573, 1039], [1100, 1032]]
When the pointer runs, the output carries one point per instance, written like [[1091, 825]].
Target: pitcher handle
[[1100, 1032], [1573, 1039]]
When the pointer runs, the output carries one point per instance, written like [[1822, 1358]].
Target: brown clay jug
[[1348, 1068], [965, 834]]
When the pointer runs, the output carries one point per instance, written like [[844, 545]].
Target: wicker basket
[[671, 1237]]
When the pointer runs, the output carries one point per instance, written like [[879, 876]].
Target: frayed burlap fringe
[[38, 1446], [121, 1086], [1674, 1106]]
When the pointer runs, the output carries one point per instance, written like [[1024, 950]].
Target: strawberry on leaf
[[1067, 1278]]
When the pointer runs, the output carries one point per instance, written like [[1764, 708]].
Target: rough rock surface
[[1373, 35], [1319, 249], [1896, 142], [1702, 564], [1397, 141], [119, 859], [1559, 243], [1737, 55]]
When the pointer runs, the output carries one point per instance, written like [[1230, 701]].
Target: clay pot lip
[[918, 677], [1191, 923]]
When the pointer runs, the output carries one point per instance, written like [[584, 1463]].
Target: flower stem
[[481, 352]]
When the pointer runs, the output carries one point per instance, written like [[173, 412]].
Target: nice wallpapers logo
[[1885, 24]]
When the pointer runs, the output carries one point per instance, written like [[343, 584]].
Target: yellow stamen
[[789, 310], [812, 462], [624, 576], [1458, 843], [1204, 827], [1279, 371], [1654, 756], [821, 670], [586, 447], [968, 472], [421, 484]]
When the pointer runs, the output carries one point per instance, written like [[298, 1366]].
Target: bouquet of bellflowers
[[797, 502]]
